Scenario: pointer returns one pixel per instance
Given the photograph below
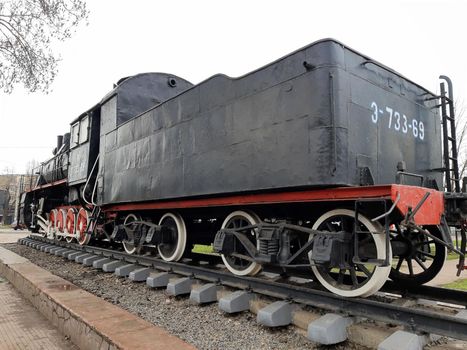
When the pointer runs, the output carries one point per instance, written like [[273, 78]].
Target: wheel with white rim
[[70, 224], [52, 224], [130, 247], [173, 237], [82, 227], [60, 224], [237, 265], [358, 279]]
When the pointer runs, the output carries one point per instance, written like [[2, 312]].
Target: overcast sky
[[196, 39]]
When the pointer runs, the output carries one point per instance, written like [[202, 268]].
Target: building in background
[[11, 186], [4, 198]]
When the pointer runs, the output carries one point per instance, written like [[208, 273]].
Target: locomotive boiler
[[324, 160]]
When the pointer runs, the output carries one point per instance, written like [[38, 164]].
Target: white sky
[[195, 39]]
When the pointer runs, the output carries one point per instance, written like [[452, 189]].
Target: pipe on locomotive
[[87, 182]]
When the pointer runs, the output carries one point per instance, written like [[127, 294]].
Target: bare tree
[[31, 166], [28, 28], [7, 170], [6, 185]]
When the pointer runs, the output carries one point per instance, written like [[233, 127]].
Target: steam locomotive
[[324, 160]]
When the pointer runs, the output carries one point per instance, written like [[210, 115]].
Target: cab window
[[74, 135], [80, 132], [83, 130]]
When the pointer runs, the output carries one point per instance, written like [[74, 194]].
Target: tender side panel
[[389, 120], [268, 130], [283, 126]]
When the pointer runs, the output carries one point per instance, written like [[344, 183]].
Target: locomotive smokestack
[[59, 142]]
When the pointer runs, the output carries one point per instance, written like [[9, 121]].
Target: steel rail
[[415, 320], [444, 295]]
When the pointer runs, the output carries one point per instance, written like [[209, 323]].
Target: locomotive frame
[[138, 170]]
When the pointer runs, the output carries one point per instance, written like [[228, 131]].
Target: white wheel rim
[[380, 274], [181, 242], [80, 227], [52, 226], [254, 268], [70, 235], [60, 233], [129, 247]]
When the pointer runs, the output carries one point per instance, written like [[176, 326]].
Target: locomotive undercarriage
[[352, 246], [247, 244]]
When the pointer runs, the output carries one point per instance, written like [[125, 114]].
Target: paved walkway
[[447, 274], [11, 236], [23, 327]]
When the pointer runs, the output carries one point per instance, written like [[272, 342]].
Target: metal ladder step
[[449, 136]]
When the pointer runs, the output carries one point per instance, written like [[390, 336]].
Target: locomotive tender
[[323, 158]]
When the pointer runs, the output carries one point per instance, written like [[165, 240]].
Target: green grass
[[459, 284], [452, 255], [203, 249]]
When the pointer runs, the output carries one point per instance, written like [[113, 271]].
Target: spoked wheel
[[358, 280], [52, 225], [421, 261], [61, 217], [237, 265], [130, 247], [82, 226], [70, 225], [174, 239]]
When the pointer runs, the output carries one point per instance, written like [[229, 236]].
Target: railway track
[[387, 308]]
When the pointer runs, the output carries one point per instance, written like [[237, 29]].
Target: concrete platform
[[12, 236], [87, 320]]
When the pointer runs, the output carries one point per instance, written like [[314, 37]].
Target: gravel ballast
[[206, 327]]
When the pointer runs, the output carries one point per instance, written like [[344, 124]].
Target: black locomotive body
[[323, 158], [318, 117]]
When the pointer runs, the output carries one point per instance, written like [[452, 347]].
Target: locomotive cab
[[84, 151]]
